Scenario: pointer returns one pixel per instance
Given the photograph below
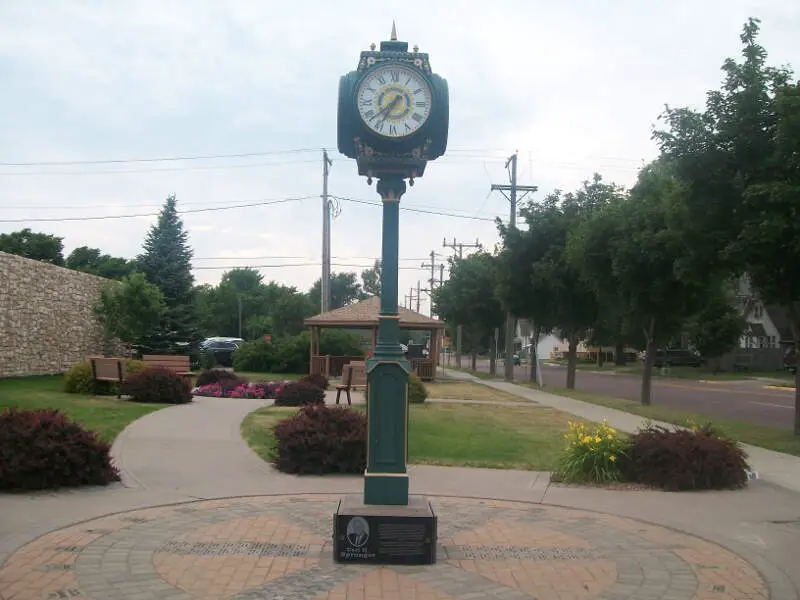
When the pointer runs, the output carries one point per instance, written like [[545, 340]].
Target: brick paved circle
[[279, 547]]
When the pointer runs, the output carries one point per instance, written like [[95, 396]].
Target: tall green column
[[386, 478]]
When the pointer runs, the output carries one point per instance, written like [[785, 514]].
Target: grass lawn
[[464, 390], [467, 435], [779, 440], [103, 414], [694, 373]]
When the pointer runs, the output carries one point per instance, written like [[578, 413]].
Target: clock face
[[394, 101]]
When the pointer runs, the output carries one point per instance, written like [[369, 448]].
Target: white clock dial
[[394, 101]]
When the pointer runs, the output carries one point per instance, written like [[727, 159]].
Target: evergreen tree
[[167, 263]]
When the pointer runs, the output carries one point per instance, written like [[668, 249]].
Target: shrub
[[592, 454], [218, 376], [78, 380], [157, 385], [299, 393], [289, 354], [321, 439], [680, 459], [417, 392], [43, 449], [316, 379]]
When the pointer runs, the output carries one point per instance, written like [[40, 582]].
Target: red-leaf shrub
[[43, 449], [299, 393], [316, 379], [229, 378], [681, 459], [159, 385], [321, 439]]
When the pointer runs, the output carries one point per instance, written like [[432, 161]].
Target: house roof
[[756, 330], [780, 320], [365, 314]]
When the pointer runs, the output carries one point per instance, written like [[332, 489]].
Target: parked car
[[222, 349], [677, 357], [790, 360]]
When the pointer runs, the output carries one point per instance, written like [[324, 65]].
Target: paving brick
[[279, 547]]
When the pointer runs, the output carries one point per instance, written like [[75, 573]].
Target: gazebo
[[364, 315]]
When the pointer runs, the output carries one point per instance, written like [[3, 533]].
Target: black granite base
[[384, 535]]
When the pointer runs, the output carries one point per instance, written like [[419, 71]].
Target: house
[[767, 325]]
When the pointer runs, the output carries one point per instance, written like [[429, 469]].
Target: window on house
[[772, 341]]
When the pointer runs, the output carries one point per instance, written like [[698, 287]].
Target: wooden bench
[[108, 369], [354, 375], [345, 386], [176, 363]]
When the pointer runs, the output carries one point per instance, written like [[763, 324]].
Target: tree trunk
[[650, 356], [600, 358], [572, 362], [474, 361], [794, 324], [493, 356], [534, 359], [619, 354]]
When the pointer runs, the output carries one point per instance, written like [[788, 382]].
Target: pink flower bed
[[261, 390]]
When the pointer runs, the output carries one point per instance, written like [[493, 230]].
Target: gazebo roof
[[364, 315]]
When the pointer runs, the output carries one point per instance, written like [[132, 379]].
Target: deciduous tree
[[37, 246], [739, 162], [131, 309], [468, 299]]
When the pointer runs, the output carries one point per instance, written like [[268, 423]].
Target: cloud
[[575, 86]]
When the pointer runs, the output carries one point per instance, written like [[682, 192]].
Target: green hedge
[[290, 354]]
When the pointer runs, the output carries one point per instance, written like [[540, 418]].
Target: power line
[[417, 210], [290, 265], [161, 170], [133, 216], [455, 150], [296, 257], [116, 161]]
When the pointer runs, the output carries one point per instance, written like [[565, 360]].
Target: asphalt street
[[744, 400]]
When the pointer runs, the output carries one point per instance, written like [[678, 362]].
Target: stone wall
[[47, 322]]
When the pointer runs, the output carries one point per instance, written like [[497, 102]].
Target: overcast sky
[[575, 86]]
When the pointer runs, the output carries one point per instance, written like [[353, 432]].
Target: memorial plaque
[[384, 534]]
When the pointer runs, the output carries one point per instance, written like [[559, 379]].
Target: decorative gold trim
[[403, 474]]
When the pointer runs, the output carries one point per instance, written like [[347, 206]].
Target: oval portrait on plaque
[[357, 531]]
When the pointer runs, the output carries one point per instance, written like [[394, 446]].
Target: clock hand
[[388, 108]]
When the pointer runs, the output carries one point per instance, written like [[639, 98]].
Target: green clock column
[[386, 478]]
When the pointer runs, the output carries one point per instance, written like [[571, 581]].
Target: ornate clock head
[[394, 101]]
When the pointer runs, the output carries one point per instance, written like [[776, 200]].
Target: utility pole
[[418, 295], [326, 235], [513, 189], [441, 274], [459, 247], [432, 280]]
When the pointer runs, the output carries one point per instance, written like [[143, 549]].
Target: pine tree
[[167, 263]]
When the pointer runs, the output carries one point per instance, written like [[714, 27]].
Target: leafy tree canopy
[[37, 246]]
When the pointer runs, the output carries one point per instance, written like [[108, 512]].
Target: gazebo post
[[374, 337], [311, 351]]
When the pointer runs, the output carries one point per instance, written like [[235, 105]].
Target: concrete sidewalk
[[775, 467]]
